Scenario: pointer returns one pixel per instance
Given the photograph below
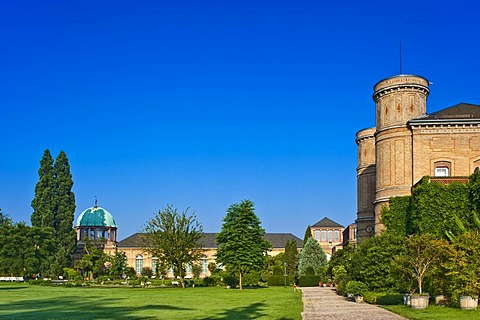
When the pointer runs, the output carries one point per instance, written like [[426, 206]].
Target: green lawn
[[433, 312], [23, 301]]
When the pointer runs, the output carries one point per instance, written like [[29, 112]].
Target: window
[[188, 268], [204, 264], [336, 236], [441, 172], [139, 263], [317, 235], [324, 236], [442, 169], [329, 235]]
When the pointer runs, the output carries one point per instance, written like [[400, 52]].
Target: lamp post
[[285, 273]]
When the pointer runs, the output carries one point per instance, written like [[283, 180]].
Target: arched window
[[139, 263]]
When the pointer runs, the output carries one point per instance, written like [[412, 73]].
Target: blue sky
[[202, 104]]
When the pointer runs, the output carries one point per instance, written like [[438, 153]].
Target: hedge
[[309, 281], [383, 298]]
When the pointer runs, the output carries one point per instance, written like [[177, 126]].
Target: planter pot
[[358, 299], [468, 303], [419, 302], [406, 299]]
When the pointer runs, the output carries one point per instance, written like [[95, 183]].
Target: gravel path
[[325, 303]]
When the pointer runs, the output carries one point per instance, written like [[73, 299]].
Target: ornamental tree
[[241, 246], [311, 256], [174, 238]]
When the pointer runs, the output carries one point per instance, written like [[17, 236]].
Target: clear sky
[[202, 104]]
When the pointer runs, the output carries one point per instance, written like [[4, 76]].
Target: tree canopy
[[174, 238], [311, 256], [241, 245]]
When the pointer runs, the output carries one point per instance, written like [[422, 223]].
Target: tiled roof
[[209, 240], [327, 223]]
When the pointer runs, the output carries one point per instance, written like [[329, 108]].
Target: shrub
[[147, 272], [356, 288], [276, 280], [230, 280], [383, 298], [309, 271], [277, 271], [309, 281]]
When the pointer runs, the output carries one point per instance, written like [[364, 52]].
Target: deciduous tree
[[174, 238]]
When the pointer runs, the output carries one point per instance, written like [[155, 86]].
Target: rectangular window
[[441, 172], [329, 235], [317, 235], [154, 265], [204, 263], [324, 236], [336, 236]]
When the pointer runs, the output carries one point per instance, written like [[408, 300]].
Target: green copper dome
[[96, 217]]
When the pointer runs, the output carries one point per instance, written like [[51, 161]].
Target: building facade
[[407, 144], [328, 234]]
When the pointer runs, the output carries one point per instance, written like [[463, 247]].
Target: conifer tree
[[308, 234], [43, 203], [64, 212], [312, 256], [291, 256], [241, 246]]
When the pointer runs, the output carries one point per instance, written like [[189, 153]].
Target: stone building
[[328, 234], [407, 144], [95, 224], [138, 258]]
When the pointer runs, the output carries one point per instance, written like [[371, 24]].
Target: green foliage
[[309, 271], [308, 234], [277, 271], [54, 207], [462, 266], [43, 203], [309, 281], [147, 272], [241, 246], [356, 288], [312, 255], [70, 274], [291, 256], [93, 260], [372, 261], [342, 258], [383, 298], [420, 259], [278, 280], [118, 264], [395, 215], [174, 238]]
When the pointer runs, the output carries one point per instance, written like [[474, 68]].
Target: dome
[[96, 217]]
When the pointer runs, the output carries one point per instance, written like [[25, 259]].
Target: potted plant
[[356, 289]]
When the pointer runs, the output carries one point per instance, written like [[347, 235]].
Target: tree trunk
[[419, 280]]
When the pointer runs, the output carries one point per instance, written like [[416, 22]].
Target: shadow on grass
[[253, 311], [11, 288], [93, 307]]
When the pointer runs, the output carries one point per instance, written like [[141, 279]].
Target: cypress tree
[[291, 256], [64, 211], [43, 203], [308, 234]]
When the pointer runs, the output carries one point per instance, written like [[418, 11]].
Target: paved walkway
[[325, 303]]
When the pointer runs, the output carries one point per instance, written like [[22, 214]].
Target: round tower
[[365, 183], [398, 99]]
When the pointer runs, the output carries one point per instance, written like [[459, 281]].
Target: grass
[[434, 312], [23, 301]]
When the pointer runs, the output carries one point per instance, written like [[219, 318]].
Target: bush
[[277, 271], [383, 298], [309, 281], [276, 280], [147, 272], [230, 280], [310, 271], [356, 288]]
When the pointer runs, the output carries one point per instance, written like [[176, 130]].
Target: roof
[[209, 240], [458, 111], [327, 223], [95, 217]]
